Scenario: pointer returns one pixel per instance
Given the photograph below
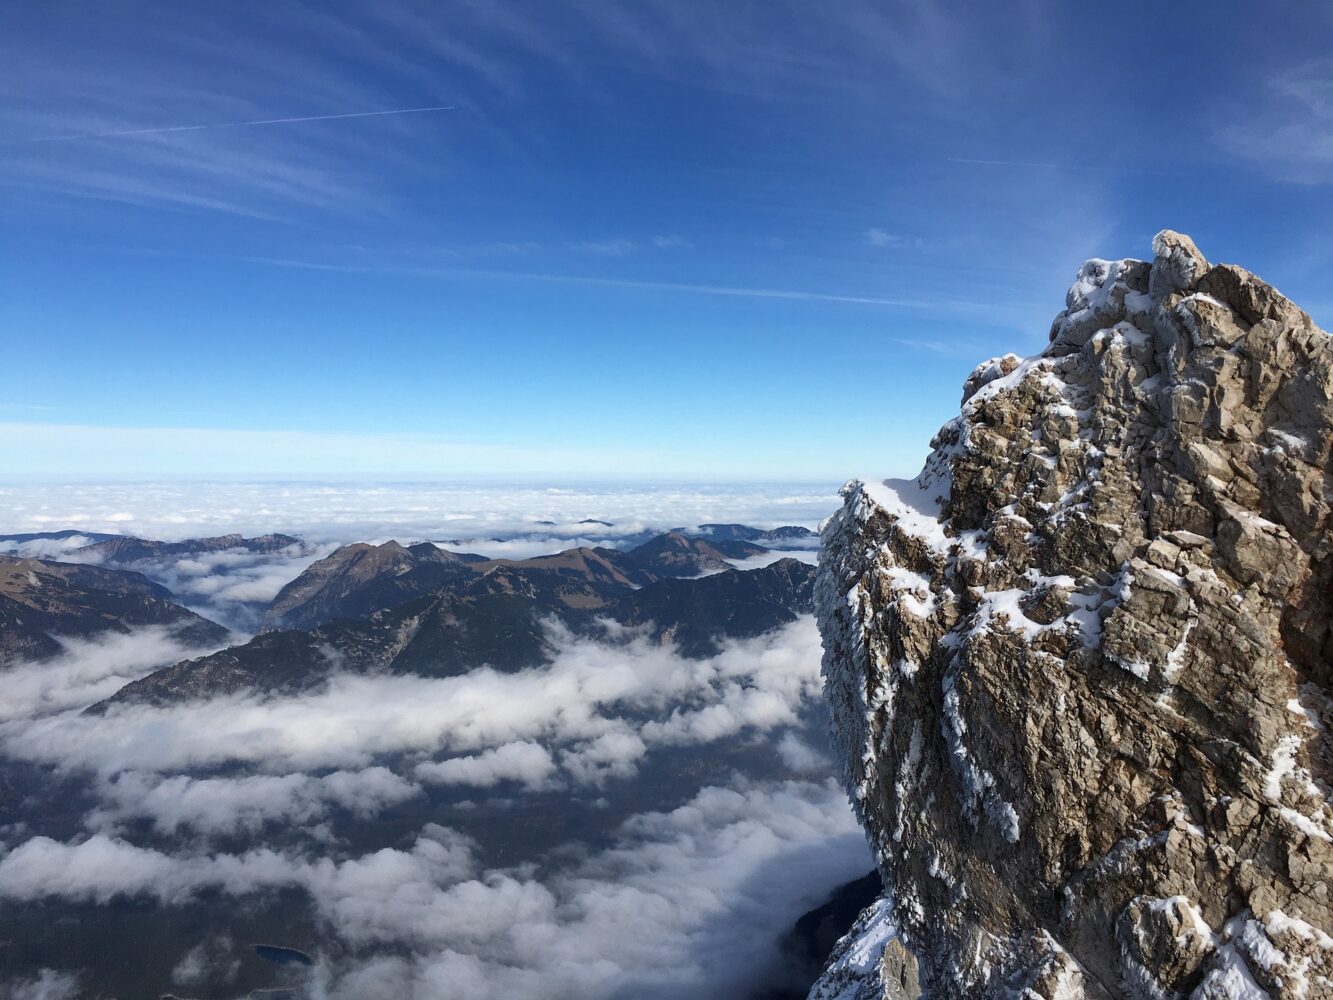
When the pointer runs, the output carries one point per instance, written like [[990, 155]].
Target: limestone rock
[[1080, 667]]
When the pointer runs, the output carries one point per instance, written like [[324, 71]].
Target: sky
[[654, 241]]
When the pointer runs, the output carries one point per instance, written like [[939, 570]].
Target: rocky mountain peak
[[1079, 668]]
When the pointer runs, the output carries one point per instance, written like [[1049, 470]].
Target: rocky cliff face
[[1080, 667]]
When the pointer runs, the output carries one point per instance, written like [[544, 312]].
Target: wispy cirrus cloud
[[944, 348], [878, 237], [203, 83], [618, 247], [1073, 167], [672, 243], [943, 304], [1290, 131]]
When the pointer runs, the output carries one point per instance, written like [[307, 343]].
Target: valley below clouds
[[619, 819]]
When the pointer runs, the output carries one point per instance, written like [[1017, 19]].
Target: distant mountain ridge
[[124, 549], [128, 548], [41, 600], [359, 579], [490, 621], [695, 614], [416, 608], [745, 533], [58, 536]]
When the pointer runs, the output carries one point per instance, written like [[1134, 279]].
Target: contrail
[[264, 121], [628, 283], [1061, 166]]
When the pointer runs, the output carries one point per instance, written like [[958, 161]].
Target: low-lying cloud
[[757, 683], [230, 806], [46, 984], [230, 587], [243, 797], [233, 586], [528, 763], [688, 902], [88, 670], [60, 549]]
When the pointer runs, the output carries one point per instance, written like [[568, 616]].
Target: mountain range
[[406, 609], [698, 680]]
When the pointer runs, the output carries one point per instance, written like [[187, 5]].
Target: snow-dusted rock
[[1080, 667], [869, 963]]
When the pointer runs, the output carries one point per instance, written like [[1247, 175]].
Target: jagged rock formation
[[1080, 667]]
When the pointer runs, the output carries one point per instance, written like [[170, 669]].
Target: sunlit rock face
[[1080, 666]]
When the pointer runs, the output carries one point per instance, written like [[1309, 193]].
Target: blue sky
[[651, 240]]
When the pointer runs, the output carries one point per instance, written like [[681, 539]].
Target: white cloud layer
[[526, 762], [88, 670], [759, 683], [233, 585], [245, 796], [690, 902], [46, 984], [229, 806], [368, 511]]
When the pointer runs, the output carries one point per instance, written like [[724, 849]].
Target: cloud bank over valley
[[622, 819]]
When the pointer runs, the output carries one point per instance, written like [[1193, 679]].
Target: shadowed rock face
[[696, 615], [1080, 667]]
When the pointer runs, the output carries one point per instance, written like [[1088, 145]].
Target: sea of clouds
[[247, 796], [689, 900], [370, 512]]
